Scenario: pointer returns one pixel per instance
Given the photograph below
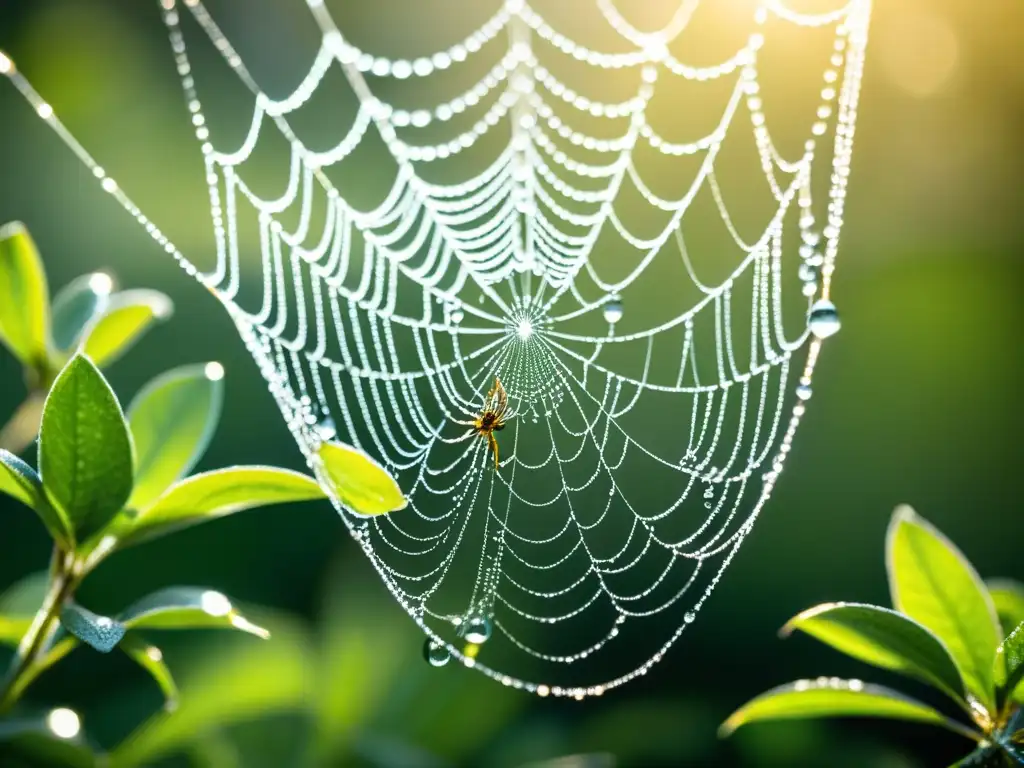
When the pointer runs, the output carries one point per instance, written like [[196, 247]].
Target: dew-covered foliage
[[947, 628], [110, 478]]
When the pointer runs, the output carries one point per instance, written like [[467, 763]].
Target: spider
[[492, 418]]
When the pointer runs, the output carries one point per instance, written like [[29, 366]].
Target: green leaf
[[590, 760], [187, 608], [24, 297], [26, 596], [19, 480], [210, 495], [172, 420], [359, 482], [884, 638], [128, 315], [214, 750], [151, 659], [242, 682], [827, 697], [934, 584], [99, 632], [12, 629], [76, 305], [85, 451], [1008, 597], [1008, 668]]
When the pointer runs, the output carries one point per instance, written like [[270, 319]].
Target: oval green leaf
[[25, 596], [76, 305], [831, 697], [1008, 669], [12, 629], [85, 450], [359, 482], [934, 584], [172, 420], [1008, 598], [25, 309], [128, 315], [99, 632], [151, 659], [19, 480], [884, 638], [188, 608], [210, 495]]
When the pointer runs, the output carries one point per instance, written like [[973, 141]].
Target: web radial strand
[[653, 392]]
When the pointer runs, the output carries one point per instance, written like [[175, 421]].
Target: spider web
[[654, 394]]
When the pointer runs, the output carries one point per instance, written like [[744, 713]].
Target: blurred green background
[[917, 401]]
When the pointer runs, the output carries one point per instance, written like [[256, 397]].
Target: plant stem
[[968, 733], [23, 426], [33, 645]]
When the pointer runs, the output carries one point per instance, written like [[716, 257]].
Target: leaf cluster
[[948, 629], [108, 479]]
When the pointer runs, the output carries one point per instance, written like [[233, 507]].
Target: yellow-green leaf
[[1008, 669], [25, 596], [128, 315], [934, 584], [884, 638], [151, 659], [172, 420], [359, 482], [831, 697], [210, 495], [12, 629], [1008, 597], [188, 608], [19, 480], [24, 297], [85, 451], [76, 305]]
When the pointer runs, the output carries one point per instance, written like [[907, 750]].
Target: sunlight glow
[[214, 371], [920, 52], [101, 283], [214, 603], [64, 723]]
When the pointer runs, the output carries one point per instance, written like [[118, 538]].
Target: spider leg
[[492, 441], [464, 436], [502, 404]]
